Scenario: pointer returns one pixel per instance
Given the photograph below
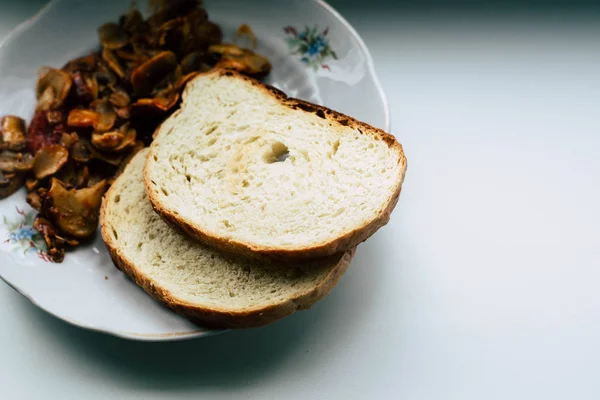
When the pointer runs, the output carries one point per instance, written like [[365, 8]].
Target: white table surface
[[485, 284]]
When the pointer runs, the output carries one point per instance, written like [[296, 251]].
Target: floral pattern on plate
[[21, 235], [311, 45]]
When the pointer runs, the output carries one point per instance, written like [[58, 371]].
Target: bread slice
[[196, 281], [247, 170]]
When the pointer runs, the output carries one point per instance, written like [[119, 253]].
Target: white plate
[[86, 290]]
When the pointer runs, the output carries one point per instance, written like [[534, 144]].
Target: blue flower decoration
[[311, 45]]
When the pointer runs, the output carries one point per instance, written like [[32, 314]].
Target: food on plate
[[197, 282], [96, 111], [246, 170]]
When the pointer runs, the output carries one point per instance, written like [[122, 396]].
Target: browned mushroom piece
[[34, 200], [73, 175], [241, 60], [31, 184], [123, 112], [107, 140], [12, 133], [106, 115], [113, 62], [119, 98], [148, 108], [80, 118], [67, 140], [55, 249], [227, 49], [113, 159], [62, 241], [129, 138], [85, 63], [81, 151], [8, 161], [46, 100], [83, 176], [56, 82], [85, 87], [10, 182], [112, 36], [148, 75], [75, 211], [11, 162], [24, 162], [48, 160], [55, 117]]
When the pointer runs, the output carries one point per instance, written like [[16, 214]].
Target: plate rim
[[178, 336]]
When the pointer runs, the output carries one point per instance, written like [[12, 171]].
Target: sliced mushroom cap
[[67, 140], [24, 162], [12, 133], [81, 151], [73, 175], [80, 118], [60, 83], [242, 60], [34, 200], [107, 140], [48, 160], [75, 211], [146, 76], [55, 117], [31, 184], [8, 161], [46, 99], [123, 112], [115, 141], [147, 108], [227, 49], [10, 183], [112, 36], [106, 113], [129, 136], [113, 62], [119, 98]]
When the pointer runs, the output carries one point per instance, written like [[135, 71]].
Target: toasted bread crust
[[326, 248], [213, 317]]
